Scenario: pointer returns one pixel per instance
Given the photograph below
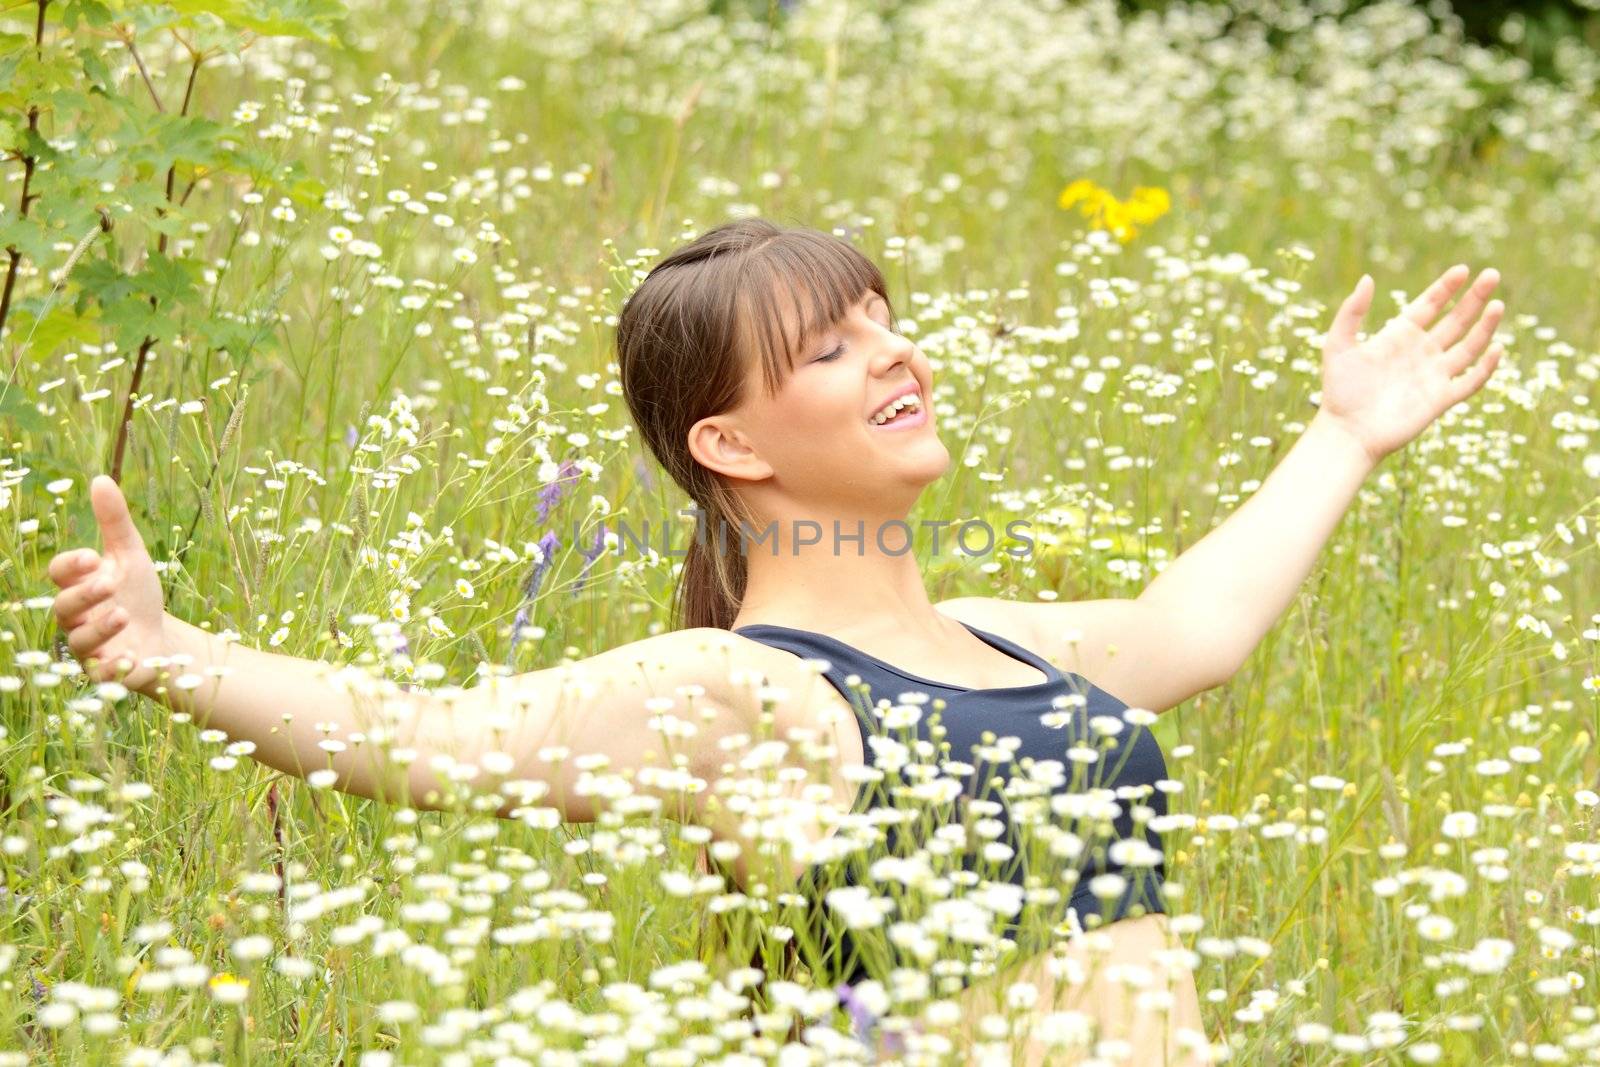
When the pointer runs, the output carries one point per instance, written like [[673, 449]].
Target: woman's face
[[816, 440]]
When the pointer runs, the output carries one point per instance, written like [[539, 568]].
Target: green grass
[[941, 138]]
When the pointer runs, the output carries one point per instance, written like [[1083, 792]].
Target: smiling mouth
[[900, 410]]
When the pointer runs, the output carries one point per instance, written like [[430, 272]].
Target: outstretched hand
[[1387, 389], [110, 604]]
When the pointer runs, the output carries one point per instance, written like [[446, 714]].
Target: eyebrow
[[866, 303], [816, 334]]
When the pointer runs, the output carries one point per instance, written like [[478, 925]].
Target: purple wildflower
[[402, 647], [862, 1018], [557, 488], [548, 546], [350, 437], [864, 1022], [590, 555], [519, 623]]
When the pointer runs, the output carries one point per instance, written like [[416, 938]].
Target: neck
[[802, 575]]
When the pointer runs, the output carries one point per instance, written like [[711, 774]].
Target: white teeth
[[888, 411]]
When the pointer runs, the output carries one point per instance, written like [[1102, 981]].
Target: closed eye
[[837, 352]]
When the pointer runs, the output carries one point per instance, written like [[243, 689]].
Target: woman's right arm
[[569, 730], [552, 726]]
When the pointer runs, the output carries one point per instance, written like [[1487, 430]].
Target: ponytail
[[712, 584]]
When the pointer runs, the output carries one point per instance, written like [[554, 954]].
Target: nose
[[895, 349]]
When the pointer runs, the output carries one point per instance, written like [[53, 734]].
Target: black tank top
[[1116, 791]]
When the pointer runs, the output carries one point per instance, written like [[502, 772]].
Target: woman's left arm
[[1377, 396]]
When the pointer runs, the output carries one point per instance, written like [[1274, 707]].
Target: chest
[[966, 671], [973, 665]]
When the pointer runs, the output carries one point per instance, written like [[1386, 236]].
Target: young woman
[[763, 367]]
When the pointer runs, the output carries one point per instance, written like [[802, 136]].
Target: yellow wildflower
[[1122, 218], [1116, 218], [1083, 189], [229, 989], [1148, 203]]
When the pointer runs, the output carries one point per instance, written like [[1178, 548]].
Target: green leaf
[[31, 144], [313, 19], [175, 138], [14, 43], [91, 11], [300, 187], [35, 77], [17, 410], [133, 319], [171, 281], [101, 281], [81, 174], [98, 72], [61, 325], [52, 467], [146, 200], [229, 11], [147, 19], [230, 335], [29, 236]]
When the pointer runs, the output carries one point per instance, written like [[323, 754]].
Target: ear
[[717, 443]]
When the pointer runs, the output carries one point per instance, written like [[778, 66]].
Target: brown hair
[[688, 338]]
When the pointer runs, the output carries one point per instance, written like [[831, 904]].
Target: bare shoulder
[[1122, 646], [1074, 635], [697, 655], [614, 705], [735, 672], [1008, 618], [794, 689], [727, 669], [1085, 637]]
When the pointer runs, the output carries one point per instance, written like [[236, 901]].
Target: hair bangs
[[793, 288]]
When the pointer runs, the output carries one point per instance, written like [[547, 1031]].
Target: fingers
[[68, 567], [1467, 309], [1477, 374], [1347, 320], [111, 511], [1460, 357], [1425, 308], [88, 638], [72, 605]]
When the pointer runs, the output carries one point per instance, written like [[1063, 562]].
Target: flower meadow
[[357, 373]]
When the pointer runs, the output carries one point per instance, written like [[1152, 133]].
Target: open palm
[[1387, 389]]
